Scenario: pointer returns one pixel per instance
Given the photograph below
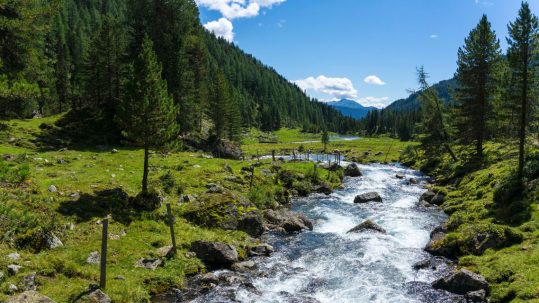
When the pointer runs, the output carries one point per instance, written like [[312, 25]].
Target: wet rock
[[252, 225], [260, 250], [30, 296], [323, 188], [29, 282], [367, 225], [422, 264], [151, 264], [13, 269], [413, 181], [438, 199], [53, 189], [428, 196], [400, 176], [352, 170], [334, 167], [287, 220], [245, 266], [368, 197], [210, 278], [462, 282], [477, 296], [436, 246], [93, 258], [424, 203], [215, 254]]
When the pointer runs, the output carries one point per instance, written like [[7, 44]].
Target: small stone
[[114, 151], [52, 241], [400, 176], [261, 250], [12, 288], [29, 282], [13, 269], [93, 258], [477, 296], [14, 256], [97, 296], [422, 264], [197, 166], [119, 278], [165, 251], [53, 189], [150, 264], [413, 181], [245, 266], [1, 276]]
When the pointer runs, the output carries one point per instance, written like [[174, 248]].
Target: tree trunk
[[145, 173], [523, 118]]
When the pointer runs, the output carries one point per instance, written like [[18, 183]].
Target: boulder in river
[[215, 254], [427, 196], [368, 197], [438, 199], [400, 176], [245, 266], [261, 250], [367, 225], [323, 188], [352, 170], [462, 282], [288, 220]]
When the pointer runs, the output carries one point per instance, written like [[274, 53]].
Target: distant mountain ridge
[[351, 108], [444, 89]]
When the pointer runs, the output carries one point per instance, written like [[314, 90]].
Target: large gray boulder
[[215, 254], [251, 224], [352, 170], [367, 225], [227, 149], [462, 282], [427, 196], [368, 197], [287, 220], [30, 296]]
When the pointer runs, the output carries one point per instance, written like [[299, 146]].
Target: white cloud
[[234, 9], [434, 36], [221, 28], [374, 101], [281, 23], [336, 87], [374, 80]]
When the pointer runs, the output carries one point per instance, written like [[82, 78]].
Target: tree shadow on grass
[[114, 202]]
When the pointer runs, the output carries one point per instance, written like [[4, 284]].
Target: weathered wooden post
[[273, 155], [171, 224], [103, 267]]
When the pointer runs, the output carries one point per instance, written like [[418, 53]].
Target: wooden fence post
[[171, 224], [103, 267], [273, 155]]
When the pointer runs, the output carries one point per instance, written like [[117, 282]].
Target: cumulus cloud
[[378, 102], [234, 9], [221, 28], [374, 80], [336, 87]]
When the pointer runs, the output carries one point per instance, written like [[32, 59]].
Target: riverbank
[[493, 224], [66, 193]]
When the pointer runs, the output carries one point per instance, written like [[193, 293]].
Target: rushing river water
[[330, 265]]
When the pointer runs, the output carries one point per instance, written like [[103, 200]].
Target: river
[[330, 265]]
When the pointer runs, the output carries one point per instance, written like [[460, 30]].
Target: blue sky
[[357, 49]]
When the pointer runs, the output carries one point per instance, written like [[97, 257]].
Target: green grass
[[512, 268], [27, 208]]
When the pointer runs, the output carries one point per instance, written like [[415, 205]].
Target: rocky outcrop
[[436, 245], [352, 170], [368, 197], [287, 220], [151, 264], [462, 282], [30, 296], [367, 225], [252, 224], [227, 150], [215, 254]]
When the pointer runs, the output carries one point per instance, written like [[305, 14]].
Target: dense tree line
[[78, 55]]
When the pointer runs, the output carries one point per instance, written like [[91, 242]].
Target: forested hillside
[[74, 55]]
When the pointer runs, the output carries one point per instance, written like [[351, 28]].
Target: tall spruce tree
[[478, 76], [523, 55], [147, 114]]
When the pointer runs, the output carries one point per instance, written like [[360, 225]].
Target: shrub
[[262, 197], [170, 185]]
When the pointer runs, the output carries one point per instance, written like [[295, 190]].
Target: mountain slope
[[444, 89], [351, 108]]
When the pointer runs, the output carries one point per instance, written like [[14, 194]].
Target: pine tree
[[147, 113], [524, 64], [325, 139], [478, 75]]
